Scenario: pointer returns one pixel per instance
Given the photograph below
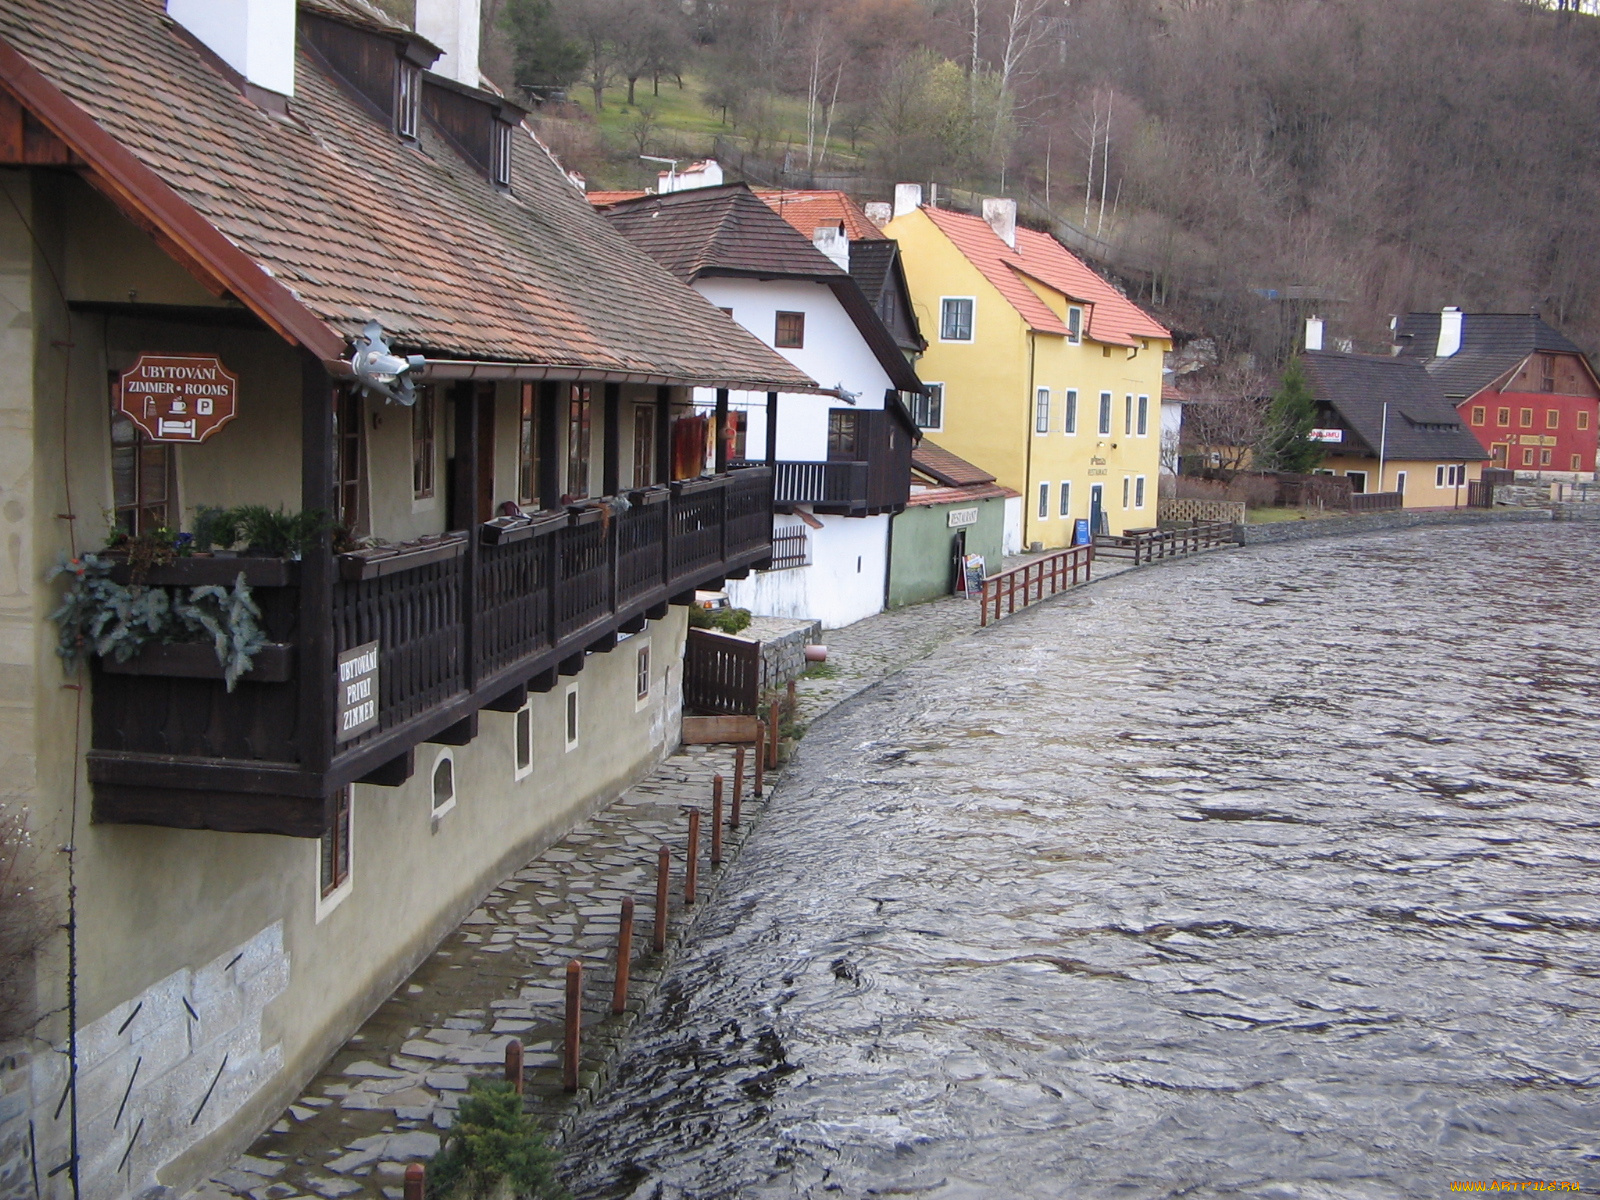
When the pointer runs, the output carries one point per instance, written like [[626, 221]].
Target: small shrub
[[493, 1148], [728, 620]]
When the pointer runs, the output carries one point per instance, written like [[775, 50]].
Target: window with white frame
[[570, 715], [1400, 482], [444, 783], [1069, 404], [928, 410], [1127, 416], [1041, 410], [500, 155], [1138, 491], [1449, 476], [1127, 488], [1144, 416], [1065, 502], [955, 318], [333, 859], [1105, 412], [1044, 501], [1074, 326], [522, 742], [641, 679]]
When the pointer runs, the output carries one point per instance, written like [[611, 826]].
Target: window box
[[274, 663], [655, 494], [223, 571], [504, 530], [387, 560]]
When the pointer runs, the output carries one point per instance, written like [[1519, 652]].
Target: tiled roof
[[360, 227], [1112, 317], [604, 199], [940, 465], [1422, 423], [809, 211], [1492, 345], [718, 231], [361, 13], [876, 268], [959, 495]]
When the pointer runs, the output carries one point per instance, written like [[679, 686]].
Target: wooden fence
[[1148, 545], [721, 674], [1376, 501], [1033, 581]]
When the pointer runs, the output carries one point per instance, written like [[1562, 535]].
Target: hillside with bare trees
[[1233, 162]]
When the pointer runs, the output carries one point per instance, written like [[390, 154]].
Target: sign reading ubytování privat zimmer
[[358, 691], [181, 398]]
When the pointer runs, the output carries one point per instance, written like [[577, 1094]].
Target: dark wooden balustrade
[[463, 629]]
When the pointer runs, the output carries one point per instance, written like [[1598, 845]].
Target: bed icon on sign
[[175, 429]]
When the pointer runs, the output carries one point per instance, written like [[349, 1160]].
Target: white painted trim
[[1042, 509], [1141, 490], [1037, 393], [570, 703], [1069, 406], [519, 771], [939, 428], [640, 703], [326, 904], [445, 754], [1064, 498], [1141, 409]]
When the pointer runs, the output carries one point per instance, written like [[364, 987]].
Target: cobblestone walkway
[[387, 1096]]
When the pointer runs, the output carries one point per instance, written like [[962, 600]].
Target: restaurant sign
[[178, 397], [1326, 435]]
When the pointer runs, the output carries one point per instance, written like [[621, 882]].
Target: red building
[[1526, 392]]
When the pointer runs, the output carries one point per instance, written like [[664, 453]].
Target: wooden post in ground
[[416, 1181], [691, 871], [738, 775], [716, 820], [772, 739], [619, 988], [573, 1046], [514, 1065], [658, 936], [761, 756]]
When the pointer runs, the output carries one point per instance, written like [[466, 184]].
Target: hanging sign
[[178, 397], [358, 691], [1326, 435]]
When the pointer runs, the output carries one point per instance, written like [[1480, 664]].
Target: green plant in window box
[[100, 616]]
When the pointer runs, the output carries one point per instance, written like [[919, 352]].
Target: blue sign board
[[1080, 532]]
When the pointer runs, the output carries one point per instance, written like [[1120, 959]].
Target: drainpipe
[[1029, 496]]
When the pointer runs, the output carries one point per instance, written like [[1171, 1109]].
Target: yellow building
[[1039, 369]]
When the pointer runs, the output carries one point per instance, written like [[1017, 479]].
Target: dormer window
[[500, 155], [408, 99]]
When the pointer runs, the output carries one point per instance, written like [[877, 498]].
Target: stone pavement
[[388, 1095]]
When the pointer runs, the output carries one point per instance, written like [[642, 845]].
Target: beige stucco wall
[[230, 922], [1421, 491]]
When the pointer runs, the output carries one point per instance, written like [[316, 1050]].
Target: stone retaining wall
[[1575, 512], [783, 647], [1293, 531]]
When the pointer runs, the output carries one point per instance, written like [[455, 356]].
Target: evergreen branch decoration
[[493, 1149]]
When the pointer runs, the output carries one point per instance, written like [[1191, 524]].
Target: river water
[[1266, 874]]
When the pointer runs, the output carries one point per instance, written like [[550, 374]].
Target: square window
[[522, 742], [1478, 414], [444, 783], [642, 674], [1138, 491], [571, 715], [928, 410], [1044, 501], [843, 435], [1105, 412], [1069, 420], [1066, 498], [1041, 410], [1552, 418], [955, 319], [790, 332], [1144, 416], [1526, 418], [1074, 326], [1502, 417]]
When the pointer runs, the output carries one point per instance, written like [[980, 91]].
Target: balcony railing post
[[315, 632]]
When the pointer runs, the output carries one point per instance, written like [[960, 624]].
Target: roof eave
[[456, 368], [150, 202]]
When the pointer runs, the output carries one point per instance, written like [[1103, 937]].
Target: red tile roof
[[603, 199], [940, 465], [959, 495], [350, 225], [1112, 317], [809, 211]]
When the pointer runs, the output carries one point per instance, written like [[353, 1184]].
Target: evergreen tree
[[544, 57], [1288, 445]]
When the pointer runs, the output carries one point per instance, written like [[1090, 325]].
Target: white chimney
[[830, 239], [254, 37], [453, 26], [880, 213], [1002, 218], [1449, 332], [907, 198], [1313, 333]]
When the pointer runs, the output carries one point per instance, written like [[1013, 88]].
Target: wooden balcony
[[461, 625]]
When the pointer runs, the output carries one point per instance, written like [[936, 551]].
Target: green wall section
[[919, 562]]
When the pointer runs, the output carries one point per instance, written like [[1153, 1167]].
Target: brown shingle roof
[[359, 227], [1418, 423], [718, 231], [941, 466]]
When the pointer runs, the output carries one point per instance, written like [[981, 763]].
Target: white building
[[843, 455]]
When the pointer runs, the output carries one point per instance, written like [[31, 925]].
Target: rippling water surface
[[1270, 874]]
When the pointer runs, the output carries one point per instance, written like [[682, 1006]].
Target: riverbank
[[1378, 522]]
